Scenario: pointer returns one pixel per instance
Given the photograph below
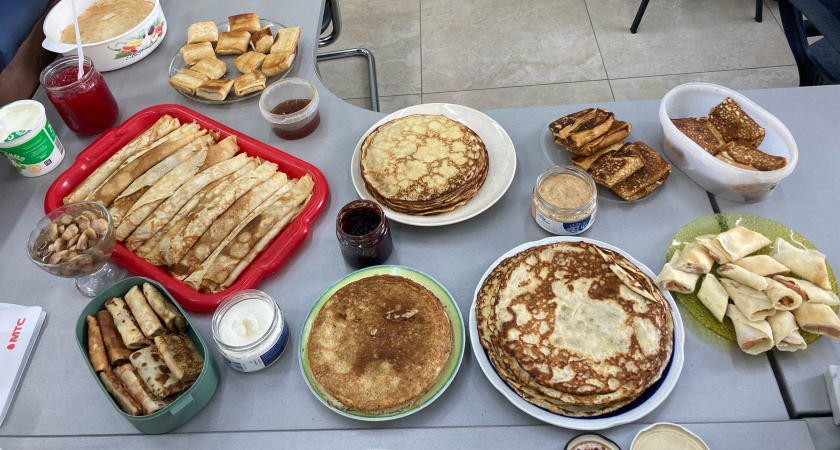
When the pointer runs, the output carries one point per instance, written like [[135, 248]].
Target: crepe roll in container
[[96, 347], [121, 395], [785, 332], [673, 279], [738, 242], [753, 304], [154, 372], [131, 379], [130, 333], [713, 296], [180, 355], [168, 313], [694, 258], [146, 318], [808, 264], [818, 319], [783, 297], [809, 292], [118, 353], [742, 276], [754, 336]]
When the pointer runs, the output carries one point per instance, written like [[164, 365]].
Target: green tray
[[190, 402]]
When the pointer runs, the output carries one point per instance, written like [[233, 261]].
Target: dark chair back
[[818, 63]]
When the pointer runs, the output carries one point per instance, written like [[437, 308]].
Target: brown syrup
[[290, 107]]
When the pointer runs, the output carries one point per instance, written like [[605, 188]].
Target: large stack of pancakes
[[378, 344], [574, 328], [423, 164]]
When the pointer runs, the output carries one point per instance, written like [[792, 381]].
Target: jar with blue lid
[[250, 330]]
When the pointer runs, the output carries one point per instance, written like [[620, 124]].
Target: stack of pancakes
[[378, 344], [423, 164], [574, 328]]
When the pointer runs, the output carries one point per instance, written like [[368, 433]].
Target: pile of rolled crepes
[[138, 347], [180, 199], [768, 307]]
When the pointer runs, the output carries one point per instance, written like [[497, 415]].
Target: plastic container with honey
[[291, 108], [564, 200]]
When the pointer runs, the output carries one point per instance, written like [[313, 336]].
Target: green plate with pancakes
[[453, 362], [718, 223]]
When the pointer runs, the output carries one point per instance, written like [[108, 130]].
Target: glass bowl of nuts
[[75, 241]]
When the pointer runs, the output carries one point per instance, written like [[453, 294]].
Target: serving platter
[[638, 408], [718, 223], [446, 376], [500, 150], [177, 64]]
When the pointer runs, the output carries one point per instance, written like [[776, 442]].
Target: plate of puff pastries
[[234, 60]]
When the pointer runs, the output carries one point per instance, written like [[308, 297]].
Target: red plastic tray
[[265, 263]]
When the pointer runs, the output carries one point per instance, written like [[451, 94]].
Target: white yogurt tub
[[250, 330], [30, 142]]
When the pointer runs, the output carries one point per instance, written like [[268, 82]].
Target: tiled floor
[[490, 54]]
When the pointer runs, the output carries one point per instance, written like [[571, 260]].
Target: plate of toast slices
[[593, 140], [234, 60]]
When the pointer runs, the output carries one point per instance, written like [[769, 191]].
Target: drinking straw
[[78, 41]]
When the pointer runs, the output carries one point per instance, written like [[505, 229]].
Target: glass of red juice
[[87, 105]]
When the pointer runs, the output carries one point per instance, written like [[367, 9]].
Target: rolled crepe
[[163, 213], [167, 312], [120, 393], [742, 276], [112, 188], [808, 264], [818, 319], [713, 247], [161, 128], [714, 296], [809, 292], [96, 347], [694, 258], [673, 279], [754, 336], [785, 332], [182, 242], [175, 135], [144, 314], [130, 333], [755, 305], [154, 372], [783, 297], [226, 222], [180, 355], [763, 265], [738, 242], [131, 380], [219, 152], [118, 353]]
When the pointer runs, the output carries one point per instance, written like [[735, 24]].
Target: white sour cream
[[245, 322], [19, 117]]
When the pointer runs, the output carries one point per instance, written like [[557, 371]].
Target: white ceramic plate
[[639, 408], [499, 149]]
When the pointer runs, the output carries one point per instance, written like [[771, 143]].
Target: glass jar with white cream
[[564, 200], [250, 330]]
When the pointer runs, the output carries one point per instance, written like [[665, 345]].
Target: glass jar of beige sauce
[[565, 200]]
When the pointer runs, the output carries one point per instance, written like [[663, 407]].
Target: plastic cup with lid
[[299, 99]]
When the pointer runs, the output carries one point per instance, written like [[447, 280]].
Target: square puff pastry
[[248, 83], [247, 62], [211, 67], [262, 40], [202, 32], [286, 40], [187, 81], [214, 89], [277, 63], [193, 53], [249, 22], [233, 42]]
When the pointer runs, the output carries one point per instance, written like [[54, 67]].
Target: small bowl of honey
[[291, 108]]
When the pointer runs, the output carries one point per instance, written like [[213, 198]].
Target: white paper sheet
[[19, 330]]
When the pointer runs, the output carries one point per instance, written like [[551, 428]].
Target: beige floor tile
[[387, 104], [686, 36], [502, 43], [517, 97], [656, 87], [389, 29], [773, 5]]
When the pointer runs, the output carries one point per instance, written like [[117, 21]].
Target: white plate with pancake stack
[[500, 151], [623, 409]]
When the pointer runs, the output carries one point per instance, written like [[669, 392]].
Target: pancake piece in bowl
[[423, 164], [574, 328], [378, 344]]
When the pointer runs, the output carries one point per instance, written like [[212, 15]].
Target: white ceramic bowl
[[721, 179], [111, 54]]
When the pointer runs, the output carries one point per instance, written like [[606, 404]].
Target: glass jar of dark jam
[[363, 234]]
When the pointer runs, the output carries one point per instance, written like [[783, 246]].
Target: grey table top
[[57, 398]]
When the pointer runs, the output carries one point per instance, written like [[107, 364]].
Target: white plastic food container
[[721, 179], [115, 53]]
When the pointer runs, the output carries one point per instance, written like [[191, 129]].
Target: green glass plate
[[452, 364], [718, 223]]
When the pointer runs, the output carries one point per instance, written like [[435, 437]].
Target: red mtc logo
[[16, 333]]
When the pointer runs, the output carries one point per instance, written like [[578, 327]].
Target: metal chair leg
[[374, 91], [639, 14], [759, 9]]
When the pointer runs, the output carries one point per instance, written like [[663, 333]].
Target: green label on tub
[[35, 150]]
